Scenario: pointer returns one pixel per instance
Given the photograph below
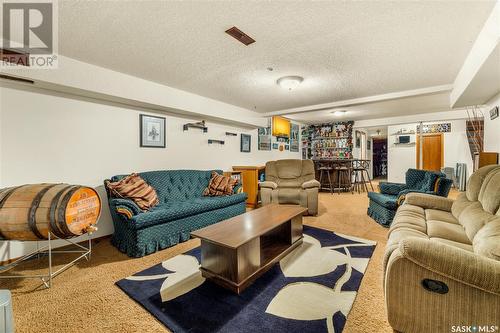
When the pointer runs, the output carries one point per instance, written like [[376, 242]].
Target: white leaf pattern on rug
[[317, 294], [311, 301], [310, 259], [186, 276]]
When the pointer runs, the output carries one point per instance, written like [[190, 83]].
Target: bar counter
[[334, 163]]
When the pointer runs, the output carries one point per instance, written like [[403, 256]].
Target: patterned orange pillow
[[135, 188], [436, 185], [220, 185]]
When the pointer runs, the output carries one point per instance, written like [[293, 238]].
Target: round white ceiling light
[[289, 82], [339, 113]]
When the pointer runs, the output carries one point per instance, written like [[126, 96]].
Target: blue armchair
[[383, 205]]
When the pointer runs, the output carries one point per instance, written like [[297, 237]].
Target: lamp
[[280, 127], [339, 113]]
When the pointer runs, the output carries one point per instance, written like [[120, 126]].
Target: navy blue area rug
[[312, 289]]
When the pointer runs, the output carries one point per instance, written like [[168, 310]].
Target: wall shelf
[[328, 140], [329, 137], [231, 134], [407, 133], [409, 144], [199, 125], [211, 141]]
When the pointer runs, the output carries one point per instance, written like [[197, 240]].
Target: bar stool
[[343, 176], [6, 316], [360, 168], [325, 168]]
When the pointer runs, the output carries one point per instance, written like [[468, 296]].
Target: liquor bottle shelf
[[329, 137]]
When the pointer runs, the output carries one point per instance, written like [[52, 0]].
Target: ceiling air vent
[[240, 36]]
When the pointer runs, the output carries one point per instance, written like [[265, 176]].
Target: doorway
[[380, 158], [432, 152]]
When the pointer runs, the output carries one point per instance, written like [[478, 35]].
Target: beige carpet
[[85, 299]]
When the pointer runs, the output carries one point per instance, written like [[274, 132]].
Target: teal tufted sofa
[[382, 206], [182, 209]]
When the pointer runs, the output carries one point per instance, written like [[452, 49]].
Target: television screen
[[404, 139]]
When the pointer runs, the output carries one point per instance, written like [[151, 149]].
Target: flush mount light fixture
[[289, 82], [339, 113]]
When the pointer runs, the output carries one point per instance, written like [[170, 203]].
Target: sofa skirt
[[141, 242], [381, 214]]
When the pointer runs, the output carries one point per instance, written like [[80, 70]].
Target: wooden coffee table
[[236, 251]]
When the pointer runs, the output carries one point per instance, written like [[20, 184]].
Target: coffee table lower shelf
[[238, 250], [270, 255]]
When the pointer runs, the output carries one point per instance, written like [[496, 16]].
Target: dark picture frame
[[264, 138], [246, 143], [357, 137], [494, 113], [152, 131], [294, 138]]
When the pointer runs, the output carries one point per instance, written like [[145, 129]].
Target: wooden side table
[[250, 181], [233, 174]]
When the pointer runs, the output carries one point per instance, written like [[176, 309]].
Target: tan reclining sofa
[[442, 260], [291, 182]]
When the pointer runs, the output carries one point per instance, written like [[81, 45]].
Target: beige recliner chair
[[291, 182], [442, 260]]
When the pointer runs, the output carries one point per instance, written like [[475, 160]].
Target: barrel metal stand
[[47, 250]]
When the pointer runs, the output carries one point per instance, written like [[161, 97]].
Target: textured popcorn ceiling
[[343, 50]]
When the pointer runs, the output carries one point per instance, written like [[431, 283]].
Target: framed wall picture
[[264, 138], [369, 144], [294, 137], [357, 136], [246, 141], [494, 113], [152, 131]]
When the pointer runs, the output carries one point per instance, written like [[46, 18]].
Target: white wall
[[401, 158], [57, 138], [491, 127], [84, 79]]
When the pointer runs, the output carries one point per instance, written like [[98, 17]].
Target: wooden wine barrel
[[29, 212]]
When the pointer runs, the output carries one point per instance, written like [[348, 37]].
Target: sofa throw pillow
[[220, 185], [436, 185], [135, 188]]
